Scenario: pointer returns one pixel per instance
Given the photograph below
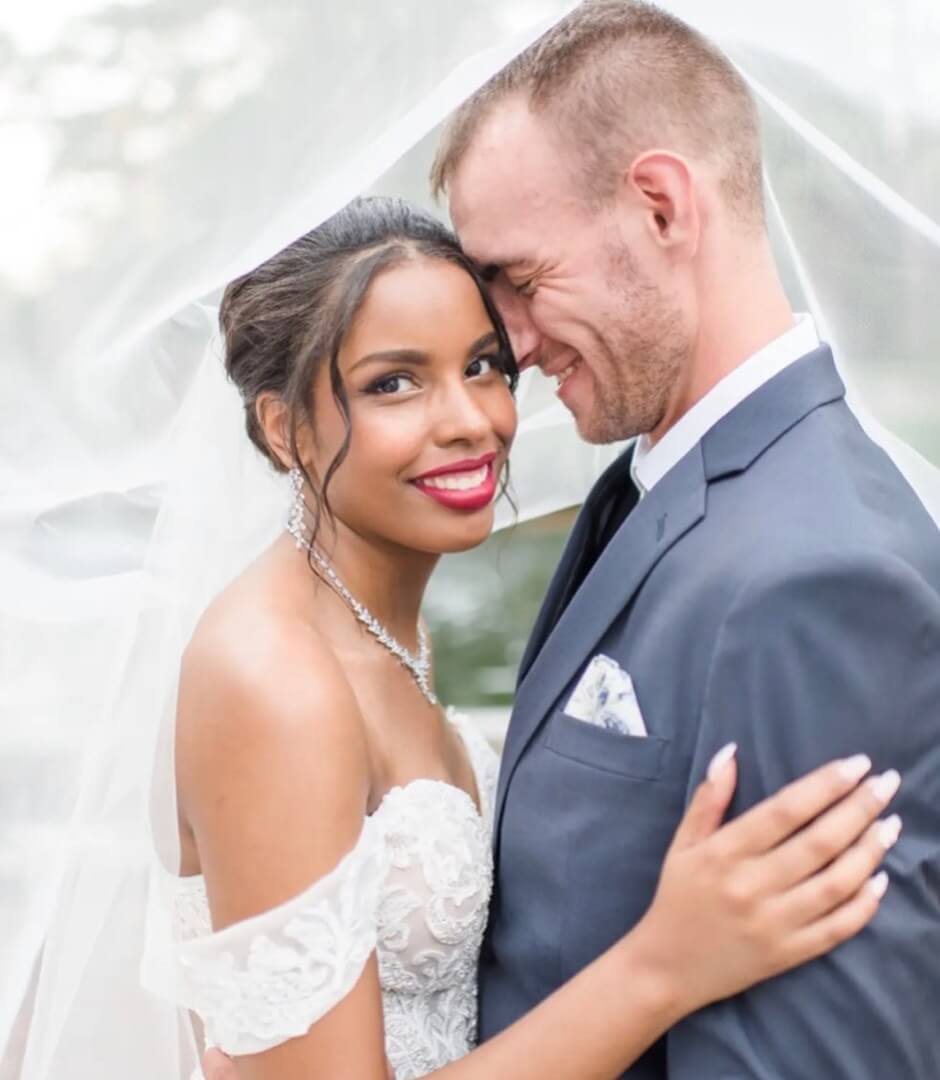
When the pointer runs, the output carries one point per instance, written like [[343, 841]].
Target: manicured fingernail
[[878, 885], [889, 830], [885, 787], [854, 768], [721, 759]]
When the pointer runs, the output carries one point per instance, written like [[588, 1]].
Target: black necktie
[[611, 513], [605, 511]]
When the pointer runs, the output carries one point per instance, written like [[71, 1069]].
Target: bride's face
[[430, 410]]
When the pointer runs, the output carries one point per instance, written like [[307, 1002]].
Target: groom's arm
[[834, 658]]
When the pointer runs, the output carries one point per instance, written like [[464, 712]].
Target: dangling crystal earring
[[295, 519]]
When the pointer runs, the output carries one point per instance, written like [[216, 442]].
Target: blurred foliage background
[[482, 604]]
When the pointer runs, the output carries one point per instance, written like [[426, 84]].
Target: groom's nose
[[524, 336]]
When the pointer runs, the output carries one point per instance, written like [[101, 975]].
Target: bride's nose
[[459, 417]]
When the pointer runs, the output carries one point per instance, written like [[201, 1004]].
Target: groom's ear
[[663, 185]]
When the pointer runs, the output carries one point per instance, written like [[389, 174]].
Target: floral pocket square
[[605, 697]]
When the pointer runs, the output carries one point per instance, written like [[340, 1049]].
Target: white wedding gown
[[415, 888]]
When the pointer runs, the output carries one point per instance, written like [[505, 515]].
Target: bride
[[333, 820]]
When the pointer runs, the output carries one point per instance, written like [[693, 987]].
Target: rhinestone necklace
[[419, 666]]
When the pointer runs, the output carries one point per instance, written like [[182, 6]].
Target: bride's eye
[[483, 365], [388, 385]]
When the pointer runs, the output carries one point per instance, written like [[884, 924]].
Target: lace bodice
[[416, 888]]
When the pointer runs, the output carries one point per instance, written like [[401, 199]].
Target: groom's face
[[583, 294]]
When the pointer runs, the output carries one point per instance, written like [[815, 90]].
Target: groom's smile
[[562, 375]]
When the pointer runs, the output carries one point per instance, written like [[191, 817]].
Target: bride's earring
[[295, 518]]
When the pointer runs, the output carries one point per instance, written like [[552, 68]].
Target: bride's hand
[[782, 884]]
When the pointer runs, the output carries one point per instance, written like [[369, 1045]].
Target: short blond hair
[[615, 77]]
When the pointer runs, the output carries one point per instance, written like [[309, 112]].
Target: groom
[[754, 570]]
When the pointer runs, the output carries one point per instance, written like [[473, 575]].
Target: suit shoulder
[[862, 584]]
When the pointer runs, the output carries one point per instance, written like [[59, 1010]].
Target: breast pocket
[[642, 757], [618, 799]]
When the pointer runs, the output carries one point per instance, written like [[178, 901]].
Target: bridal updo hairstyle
[[290, 315]]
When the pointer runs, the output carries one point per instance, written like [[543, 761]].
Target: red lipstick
[[458, 487]]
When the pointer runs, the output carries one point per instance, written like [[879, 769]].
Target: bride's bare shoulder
[[270, 744], [258, 679], [244, 644]]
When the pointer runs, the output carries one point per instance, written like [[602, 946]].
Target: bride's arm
[[275, 790], [273, 780]]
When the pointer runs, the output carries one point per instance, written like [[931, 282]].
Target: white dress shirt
[[651, 461]]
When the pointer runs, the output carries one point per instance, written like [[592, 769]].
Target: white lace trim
[[267, 979]]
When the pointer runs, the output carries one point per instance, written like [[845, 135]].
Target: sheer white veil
[[128, 492]]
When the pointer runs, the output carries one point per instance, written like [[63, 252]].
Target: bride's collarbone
[[410, 741], [385, 691]]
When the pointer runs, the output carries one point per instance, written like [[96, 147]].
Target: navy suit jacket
[[779, 587]]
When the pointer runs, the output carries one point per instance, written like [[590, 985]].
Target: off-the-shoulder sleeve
[[265, 980]]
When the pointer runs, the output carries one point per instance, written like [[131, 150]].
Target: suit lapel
[[673, 507]]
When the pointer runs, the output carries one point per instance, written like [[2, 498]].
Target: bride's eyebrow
[[415, 356], [392, 356], [488, 339]]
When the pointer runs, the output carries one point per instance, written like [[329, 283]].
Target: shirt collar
[[652, 462]]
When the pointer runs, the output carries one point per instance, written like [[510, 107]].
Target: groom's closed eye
[[492, 273], [491, 269]]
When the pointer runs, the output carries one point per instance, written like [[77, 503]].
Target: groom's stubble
[[642, 349]]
